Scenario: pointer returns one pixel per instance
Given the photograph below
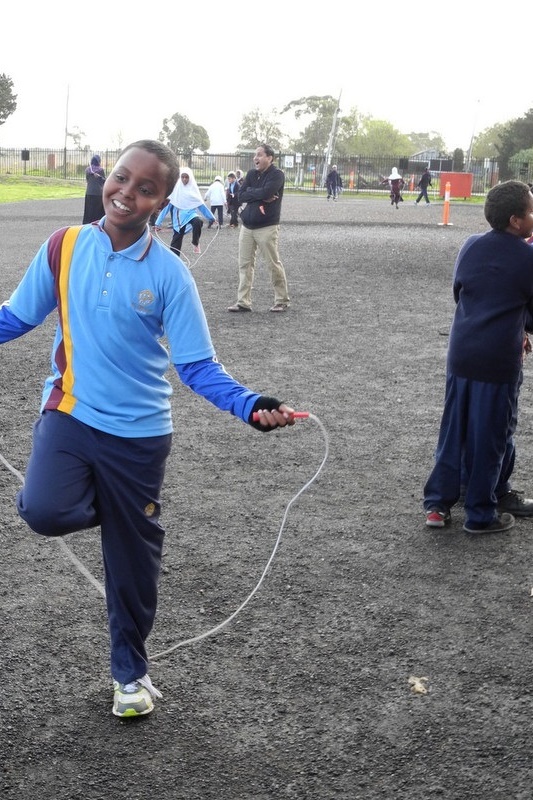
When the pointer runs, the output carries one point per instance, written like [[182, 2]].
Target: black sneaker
[[515, 503], [501, 523]]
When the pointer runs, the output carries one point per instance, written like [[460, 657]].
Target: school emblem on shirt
[[149, 510], [145, 299]]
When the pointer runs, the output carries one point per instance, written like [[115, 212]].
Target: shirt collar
[[136, 251]]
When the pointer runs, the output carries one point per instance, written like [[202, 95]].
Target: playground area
[[378, 660]]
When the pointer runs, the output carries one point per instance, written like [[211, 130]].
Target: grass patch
[[15, 189]]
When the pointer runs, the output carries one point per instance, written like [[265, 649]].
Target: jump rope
[[212, 631], [184, 258]]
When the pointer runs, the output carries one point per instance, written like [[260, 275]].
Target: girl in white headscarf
[[396, 184], [185, 206]]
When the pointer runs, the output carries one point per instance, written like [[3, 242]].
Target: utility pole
[[331, 140], [66, 136], [469, 155]]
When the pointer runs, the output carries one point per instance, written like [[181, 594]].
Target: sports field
[[378, 660]]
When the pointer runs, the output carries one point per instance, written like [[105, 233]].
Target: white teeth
[[122, 207]]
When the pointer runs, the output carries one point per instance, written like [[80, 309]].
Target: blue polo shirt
[[108, 360]]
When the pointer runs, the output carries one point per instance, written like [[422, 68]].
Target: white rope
[[98, 586], [291, 502], [183, 257], [64, 546]]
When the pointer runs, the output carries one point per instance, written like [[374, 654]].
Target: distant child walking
[[493, 291], [104, 433], [423, 183]]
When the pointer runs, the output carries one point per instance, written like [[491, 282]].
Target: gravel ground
[[310, 691]]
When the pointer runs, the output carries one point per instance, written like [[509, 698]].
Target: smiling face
[[137, 186]]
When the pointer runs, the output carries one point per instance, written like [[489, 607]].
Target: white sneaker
[[134, 699], [196, 248]]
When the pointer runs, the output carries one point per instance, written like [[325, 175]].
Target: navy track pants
[[475, 446], [79, 477]]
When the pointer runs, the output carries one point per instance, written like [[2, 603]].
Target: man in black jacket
[[262, 192]]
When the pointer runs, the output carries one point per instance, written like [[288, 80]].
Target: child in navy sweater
[[493, 290]]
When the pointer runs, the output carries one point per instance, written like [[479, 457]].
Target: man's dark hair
[[268, 150], [505, 200], [164, 154]]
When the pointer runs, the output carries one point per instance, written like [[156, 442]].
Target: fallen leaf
[[418, 685]]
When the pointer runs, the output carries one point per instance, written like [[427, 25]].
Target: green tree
[[8, 100], [350, 132], [427, 141], [458, 159], [361, 135], [382, 138], [516, 135], [519, 165], [183, 136], [315, 136], [485, 143], [258, 128]]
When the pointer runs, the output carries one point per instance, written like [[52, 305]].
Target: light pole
[[469, 156], [331, 141], [66, 136]]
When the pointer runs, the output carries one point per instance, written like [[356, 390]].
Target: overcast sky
[[115, 72]]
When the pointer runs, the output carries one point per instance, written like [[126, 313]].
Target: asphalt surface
[[378, 659]]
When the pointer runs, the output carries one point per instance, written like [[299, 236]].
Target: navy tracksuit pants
[[475, 447], [79, 477]]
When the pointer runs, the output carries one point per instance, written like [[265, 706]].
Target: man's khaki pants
[[266, 241]]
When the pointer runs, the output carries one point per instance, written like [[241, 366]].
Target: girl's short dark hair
[[164, 154], [505, 200]]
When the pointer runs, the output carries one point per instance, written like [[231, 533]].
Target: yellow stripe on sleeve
[[67, 247]]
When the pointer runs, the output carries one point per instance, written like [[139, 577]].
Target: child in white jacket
[[215, 196]]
